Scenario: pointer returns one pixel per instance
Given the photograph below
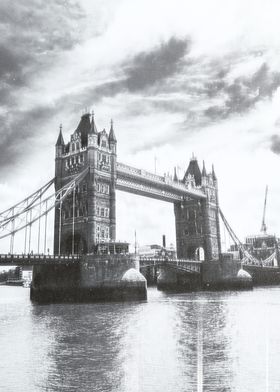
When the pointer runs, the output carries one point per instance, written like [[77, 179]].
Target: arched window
[[77, 146], [73, 147], [103, 143]]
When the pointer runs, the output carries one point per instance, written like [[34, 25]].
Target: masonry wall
[[95, 278]]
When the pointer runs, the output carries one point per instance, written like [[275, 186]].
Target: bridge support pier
[[95, 278]]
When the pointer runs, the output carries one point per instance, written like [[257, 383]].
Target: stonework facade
[[88, 215], [197, 221]]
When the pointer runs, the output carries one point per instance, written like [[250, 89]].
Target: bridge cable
[[61, 193]]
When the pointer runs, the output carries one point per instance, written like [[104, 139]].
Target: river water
[[206, 341]]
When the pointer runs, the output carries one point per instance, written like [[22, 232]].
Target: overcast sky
[[177, 77]]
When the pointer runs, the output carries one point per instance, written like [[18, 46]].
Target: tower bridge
[[87, 176]]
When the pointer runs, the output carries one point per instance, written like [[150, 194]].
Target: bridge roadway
[[141, 182], [188, 266]]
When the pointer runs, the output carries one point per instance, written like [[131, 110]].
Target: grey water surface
[[204, 341]]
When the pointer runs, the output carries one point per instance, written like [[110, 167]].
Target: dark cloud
[[146, 69], [243, 93], [31, 35], [275, 144], [17, 132]]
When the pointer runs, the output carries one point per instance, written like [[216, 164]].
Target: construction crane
[[264, 228]]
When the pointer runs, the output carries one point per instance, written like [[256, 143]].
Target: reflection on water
[[223, 341]]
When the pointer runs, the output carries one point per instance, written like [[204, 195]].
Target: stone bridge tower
[[88, 214], [197, 221]]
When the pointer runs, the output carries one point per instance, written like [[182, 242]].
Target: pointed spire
[[60, 140], [175, 177], [194, 170], [204, 174], [112, 137], [213, 173], [93, 128]]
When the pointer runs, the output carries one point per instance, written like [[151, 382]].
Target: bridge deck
[[141, 182]]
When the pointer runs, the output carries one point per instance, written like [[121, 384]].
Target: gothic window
[[73, 147], [77, 146], [103, 143]]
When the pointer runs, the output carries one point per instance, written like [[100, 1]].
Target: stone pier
[[94, 278]]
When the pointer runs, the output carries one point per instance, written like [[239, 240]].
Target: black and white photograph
[[139, 195]]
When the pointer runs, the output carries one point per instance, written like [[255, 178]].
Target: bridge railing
[[183, 264], [33, 259]]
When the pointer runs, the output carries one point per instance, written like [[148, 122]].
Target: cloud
[[31, 36], [241, 95], [148, 72], [146, 69], [275, 144], [18, 131]]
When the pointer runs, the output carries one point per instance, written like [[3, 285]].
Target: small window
[[103, 143], [102, 212]]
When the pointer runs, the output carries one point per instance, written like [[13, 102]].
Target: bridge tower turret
[[113, 148], [88, 214], [197, 221]]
